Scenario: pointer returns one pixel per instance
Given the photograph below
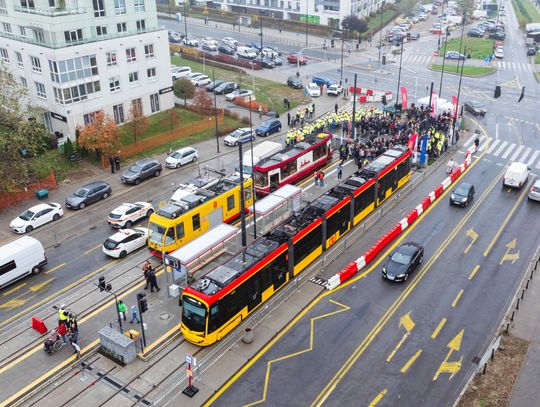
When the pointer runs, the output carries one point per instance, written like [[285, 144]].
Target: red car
[[297, 59]]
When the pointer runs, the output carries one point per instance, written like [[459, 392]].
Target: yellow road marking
[[458, 296], [14, 289], [438, 329], [93, 248], [506, 220], [473, 235], [406, 322], [510, 256], [378, 398], [55, 268], [451, 367], [409, 363], [14, 303], [473, 272], [39, 286]]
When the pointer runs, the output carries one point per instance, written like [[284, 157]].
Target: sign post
[[191, 390]]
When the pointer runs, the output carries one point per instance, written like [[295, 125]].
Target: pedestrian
[[285, 102], [336, 108], [260, 111], [62, 314], [316, 174], [122, 309], [289, 119], [152, 280], [321, 179], [313, 109], [74, 332], [111, 161], [62, 332], [134, 316], [339, 171], [146, 267], [117, 161]]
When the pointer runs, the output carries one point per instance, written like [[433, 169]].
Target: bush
[[68, 147]]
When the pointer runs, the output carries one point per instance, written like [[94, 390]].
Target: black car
[[474, 107], [415, 36], [268, 63], [212, 85], [497, 35], [295, 82], [531, 51], [403, 261], [225, 87], [88, 194], [225, 49], [141, 170], [462, 195], [475, 33]]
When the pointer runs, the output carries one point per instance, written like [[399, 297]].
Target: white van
[[19, 258], [180, 72], [246, 52], [516, 175]]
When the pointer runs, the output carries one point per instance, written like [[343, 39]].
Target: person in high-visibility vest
[[62, 314]]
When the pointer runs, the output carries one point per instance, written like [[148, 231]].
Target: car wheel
[[156, 174], [82, 205], [149, 212], [466, 203], [29, 229], [105, 195], [123, 254], [56, 217], [266, 134], [128, 224], [194, 159], [35, 270], [137, 181], [178, 165]]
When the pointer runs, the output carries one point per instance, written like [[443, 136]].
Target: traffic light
[[383, 99], [522, 94], [384, 59], [143, 304], [101, 284], [332, 43], [497, 93]]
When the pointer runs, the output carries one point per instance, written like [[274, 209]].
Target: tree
[[137, 123], [202, 102], [174, 118], [100, 135], [466, 7], [13, 99], [184, 89], [353, 23]]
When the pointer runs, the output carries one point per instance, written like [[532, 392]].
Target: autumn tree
[[137, 123], [202, 102], [173, 117], [184, 89], [100, 135]]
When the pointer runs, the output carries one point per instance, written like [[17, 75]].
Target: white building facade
[[77, 57]]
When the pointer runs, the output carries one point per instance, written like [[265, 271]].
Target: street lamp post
[[399, 74], [380, 40], [307, 15], [215, 109], [341, 69], [185, 18], [242, 200], [353, 119], [443, 60], [252, 176], [261, 34], [457, 102]]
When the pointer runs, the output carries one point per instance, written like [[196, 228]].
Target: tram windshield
[[158, 233], [193, 314], [261, 179]]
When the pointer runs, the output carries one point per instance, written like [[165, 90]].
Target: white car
[[240, 135], [313, 89], [35, 217], [191, 42], [516, 175], [178, 72], [125, 241], [128, 213], [242, 93], [270, 53], [231, 42], [499, 52], [209, 44], [201, 80], [194, 75], [181, 157], [334, 90], [534, 191]]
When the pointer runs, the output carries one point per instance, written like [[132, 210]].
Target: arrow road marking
[[451, 367], [510, 256], [473, 235], [406, 322]]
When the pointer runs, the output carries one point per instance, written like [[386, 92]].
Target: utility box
[[42, 193]]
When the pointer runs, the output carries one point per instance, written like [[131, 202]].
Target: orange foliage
[[100, 135]]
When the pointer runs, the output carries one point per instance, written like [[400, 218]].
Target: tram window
[[196, 221], [230, 202], [305, 246], [403, 169], [169, 237], [213, 321], [338, 221], [319, 151], [261, 179], [363, 200], [288, 169], [266, 278], [236, 300], [179, 230]]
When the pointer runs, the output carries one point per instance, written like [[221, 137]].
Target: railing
[[51, 12]]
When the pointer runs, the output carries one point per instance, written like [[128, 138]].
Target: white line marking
[[492, 147], [516, 153], [501, 148], [508, 151], [533, 157]]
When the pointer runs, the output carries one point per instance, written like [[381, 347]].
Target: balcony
[[51, 12]]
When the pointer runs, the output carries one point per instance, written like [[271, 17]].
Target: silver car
[[534, 192]]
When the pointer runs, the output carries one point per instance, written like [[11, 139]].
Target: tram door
[[274, 181], [215, 217], [254, 292]]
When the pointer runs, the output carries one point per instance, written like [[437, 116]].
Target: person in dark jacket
[[113, 165]]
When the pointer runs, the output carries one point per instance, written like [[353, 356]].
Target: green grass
[[375, 22], [53, 159], [467, 70], [478, 48], [537, 58], [526, 13], [268, 92]]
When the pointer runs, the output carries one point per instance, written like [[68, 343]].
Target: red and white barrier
[[352, 268]]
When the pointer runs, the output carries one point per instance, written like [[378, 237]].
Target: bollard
[[517, 305], [484, 370], [492, 353], [527, 285], [512, 317], [248, 336], [507, 327], [522, 294]]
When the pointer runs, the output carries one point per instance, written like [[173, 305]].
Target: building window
[[141, 25], [76, 93], [151, 74], [99, 8], [131, 56], [22, 31], [7, 28], [114, 84], [39, 34], [119, 7], [73, 35], [111, 58], [136, 106], [139, 6], [154, 102], [121, 27], [89, 118], [4, 55], [24, 83], [73, 69], [101, 30], [40, 89], [133, 78], [27, 3], [52, 3], [36, 64], [20, 62], [149, 51], [3, 8], [118, 112]]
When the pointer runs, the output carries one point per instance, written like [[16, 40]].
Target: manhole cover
[[165, 315]]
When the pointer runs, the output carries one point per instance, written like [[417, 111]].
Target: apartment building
[[77, 57]]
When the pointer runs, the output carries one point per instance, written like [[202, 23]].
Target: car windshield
[[110, 244], [135, 168], [236, 134], [193, 314], [462, 190], [157, 234], [81, 193], [401, 258], [27, 215]]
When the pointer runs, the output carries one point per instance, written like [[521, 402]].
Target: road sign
[[190, 360]]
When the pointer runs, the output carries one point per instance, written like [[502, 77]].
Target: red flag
[[404, 98], [412, 142], [454, 104]]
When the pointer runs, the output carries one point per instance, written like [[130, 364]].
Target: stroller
[[53, 342]]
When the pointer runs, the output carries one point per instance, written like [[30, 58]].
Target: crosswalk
[[514, 66], [415, 59], [507, 150]]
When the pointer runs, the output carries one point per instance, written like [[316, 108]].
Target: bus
[[214, 305], [192, 212], [292, 163]]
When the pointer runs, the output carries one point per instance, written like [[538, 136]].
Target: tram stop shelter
[[274, 208]]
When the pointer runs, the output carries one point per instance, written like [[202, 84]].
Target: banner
[[404, 98], [423, 152], [434, 102], [454, 104], [412, 142]]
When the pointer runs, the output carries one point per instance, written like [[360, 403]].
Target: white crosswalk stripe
[[501, 148], [538, 164], [493, 145], [516, 153], [523, 156], [514, 66], [508, 151], [533, 158]]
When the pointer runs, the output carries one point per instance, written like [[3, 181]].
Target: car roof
[[123, 233], [122, 208], [40, 207], [146, 161], [94, 184], [464, 185], [183, 149], [408, 247]]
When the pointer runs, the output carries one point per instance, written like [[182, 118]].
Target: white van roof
[[23, 243], [518, 167]]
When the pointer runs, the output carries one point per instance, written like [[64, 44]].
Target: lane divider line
[[456, 300], [438, 329], [409, 363]]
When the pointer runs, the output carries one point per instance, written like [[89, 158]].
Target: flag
[[423, 158], [454, 104], [412, 142], [434, 100], [404, 98]]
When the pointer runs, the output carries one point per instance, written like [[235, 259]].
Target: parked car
[[191, 42], [531, 51], [193, 75], [295, 82], [201, 80], [475, 34], [402, 262], [125, 241], [213, 85], [225, 87], [238, 93], [415, 36], [127, 214], [516, 175], [268, 127], [256, 46], [209, 44], [141, 170], [455, 55], [534, 191], [178, 72], [181, 157], [88, 194], [227, 50], [499, 53], [231, 42], [334, 90], [474, 107], [270, 53], [241, 135], [322, 80], [497, 35], [462, 195], [35, 217], [267, 63], [246, 52], [313, 89], [278, 61], [296, 59]]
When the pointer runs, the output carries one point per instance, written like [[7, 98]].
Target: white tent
[[443, 105]]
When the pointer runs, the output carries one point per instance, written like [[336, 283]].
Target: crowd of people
[[67, 329]]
